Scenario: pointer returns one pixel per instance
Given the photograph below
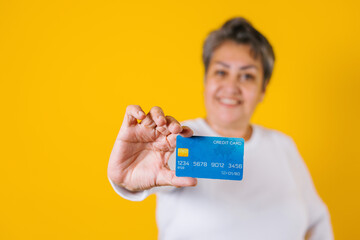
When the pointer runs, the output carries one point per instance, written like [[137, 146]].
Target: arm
[[319, 218]]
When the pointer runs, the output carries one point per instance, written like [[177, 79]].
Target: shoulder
[[281, 144], [270, 133], [274, 136], [191, 121]]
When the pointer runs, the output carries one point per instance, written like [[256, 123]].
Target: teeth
[[229, 101]]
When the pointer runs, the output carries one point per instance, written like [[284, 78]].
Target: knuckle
[[131, 107], [156, 109], [170, 117]]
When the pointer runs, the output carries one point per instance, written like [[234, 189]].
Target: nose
[[231, 85]]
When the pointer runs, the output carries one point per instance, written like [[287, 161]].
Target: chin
[[228, 118], [226, 115]]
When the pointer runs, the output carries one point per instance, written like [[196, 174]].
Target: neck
[[239, 130]]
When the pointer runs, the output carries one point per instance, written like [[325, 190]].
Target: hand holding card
[[139, 159]]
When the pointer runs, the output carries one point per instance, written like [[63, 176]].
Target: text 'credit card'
[[209, 157]]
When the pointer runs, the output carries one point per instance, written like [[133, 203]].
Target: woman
[[276, 198]]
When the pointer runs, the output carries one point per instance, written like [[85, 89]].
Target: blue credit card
[[209, 157]]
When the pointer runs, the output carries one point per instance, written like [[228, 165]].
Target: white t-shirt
[[275, 200]]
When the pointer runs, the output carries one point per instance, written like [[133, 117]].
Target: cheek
[[251, 96], [209, 91]]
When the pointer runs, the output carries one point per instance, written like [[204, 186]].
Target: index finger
[[186, 132], [157, 114], [132, 113]]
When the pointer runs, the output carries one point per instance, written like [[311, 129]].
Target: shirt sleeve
[[129, 195], [319, 227]]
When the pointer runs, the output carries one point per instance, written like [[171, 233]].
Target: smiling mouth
[[230, 102]]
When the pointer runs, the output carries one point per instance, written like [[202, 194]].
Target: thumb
[[167, 177]]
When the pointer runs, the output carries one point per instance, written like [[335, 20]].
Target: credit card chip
[[183, 152]]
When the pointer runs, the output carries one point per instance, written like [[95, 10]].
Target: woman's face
[[233, 84]]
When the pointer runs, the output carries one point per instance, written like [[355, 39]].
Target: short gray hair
[[241, 31]]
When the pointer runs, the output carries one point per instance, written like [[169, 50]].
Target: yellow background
[[68, 69]]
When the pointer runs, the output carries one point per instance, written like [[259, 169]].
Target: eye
[[248, 77], [220, 73]]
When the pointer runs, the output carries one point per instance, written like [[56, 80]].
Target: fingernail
[[141, 113]]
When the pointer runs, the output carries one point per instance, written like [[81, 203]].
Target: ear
[[263, 91]]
